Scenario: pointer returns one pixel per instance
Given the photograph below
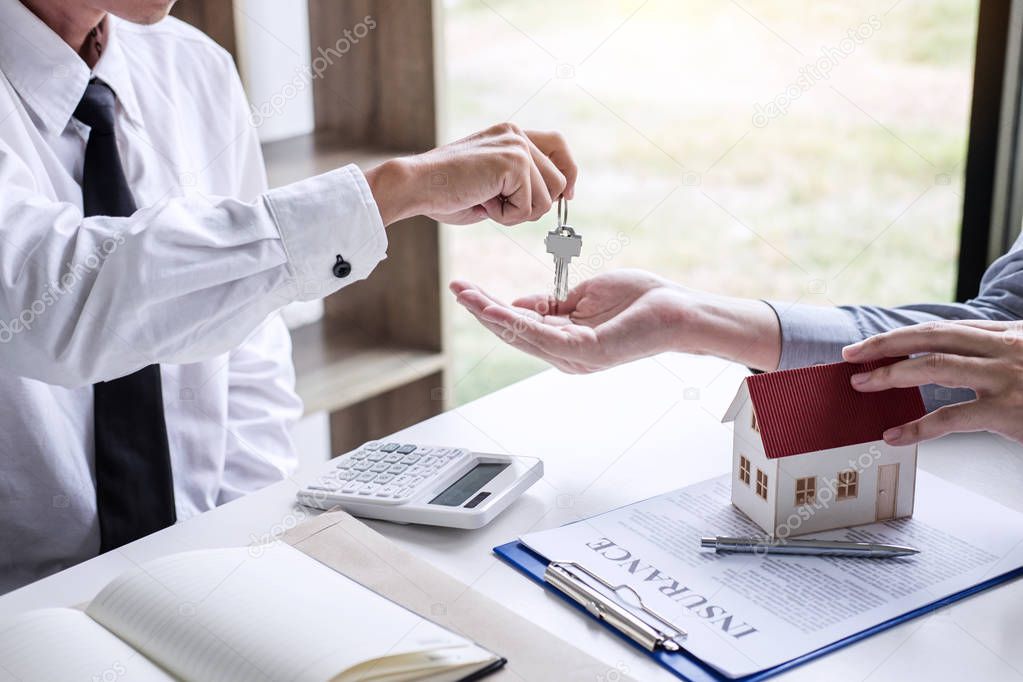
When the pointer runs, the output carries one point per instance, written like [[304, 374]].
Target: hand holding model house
[[808, 451]]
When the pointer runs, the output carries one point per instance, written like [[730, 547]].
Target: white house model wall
[[781, 516]]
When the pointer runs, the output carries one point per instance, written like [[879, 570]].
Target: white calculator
[[432, 485]]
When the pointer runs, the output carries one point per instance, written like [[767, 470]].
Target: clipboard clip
[[567, 577]]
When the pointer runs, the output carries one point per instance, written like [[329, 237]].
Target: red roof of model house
[[816, 408]]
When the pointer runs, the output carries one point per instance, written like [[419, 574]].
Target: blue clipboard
[[687, 666]]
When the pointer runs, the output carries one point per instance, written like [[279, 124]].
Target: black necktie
[[134, 488]]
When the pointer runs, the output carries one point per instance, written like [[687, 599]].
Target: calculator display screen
[[463, 488]]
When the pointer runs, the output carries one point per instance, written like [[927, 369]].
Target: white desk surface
[[607, 440]]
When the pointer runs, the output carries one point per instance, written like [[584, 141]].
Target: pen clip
[[565, 576]]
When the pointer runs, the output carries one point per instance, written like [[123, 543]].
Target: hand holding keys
[[564, 244]]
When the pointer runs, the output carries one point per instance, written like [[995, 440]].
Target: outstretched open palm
[[612, 318]]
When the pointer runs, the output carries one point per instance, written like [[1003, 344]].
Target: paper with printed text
[[745, 613]]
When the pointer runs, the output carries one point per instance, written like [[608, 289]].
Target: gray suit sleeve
[[816, 334]]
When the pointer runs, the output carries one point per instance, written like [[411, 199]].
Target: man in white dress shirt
[[187, 285]]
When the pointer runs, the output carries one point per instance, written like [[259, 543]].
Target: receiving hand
[[503, 173], [985, 356], [613, 318]]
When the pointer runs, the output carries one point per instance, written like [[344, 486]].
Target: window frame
[[806, 490], [993, 183], [744, 469], [842, 488], [762, 482]]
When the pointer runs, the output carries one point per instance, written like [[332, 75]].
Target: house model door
[[887, 486]]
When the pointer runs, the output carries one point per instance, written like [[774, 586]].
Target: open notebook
[[236, 614]]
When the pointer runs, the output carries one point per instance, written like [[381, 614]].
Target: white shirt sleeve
[[90, 299]]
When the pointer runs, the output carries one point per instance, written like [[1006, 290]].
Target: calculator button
[[362, 465], [384, 478], [368, 489], [420, 470], [372, 445], [405, 492], [345, 463], [375, 456], [397, 469], [379, 467], [346, 475], [430, 461], [351, 487], [405, 449], [404, 481], [392, 458], [390, 447], [410, 459], [422, 450], [387, 491], [366, 477], [357, 455]]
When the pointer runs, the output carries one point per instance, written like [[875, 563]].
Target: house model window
[[761, 484], [807, 428], [848, 483], [806, 490]]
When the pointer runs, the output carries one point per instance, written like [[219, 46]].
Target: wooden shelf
[[334, 372], [297, 158]]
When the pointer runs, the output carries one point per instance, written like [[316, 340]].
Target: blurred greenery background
[[853, 194]]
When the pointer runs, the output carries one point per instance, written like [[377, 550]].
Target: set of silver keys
[[564, 244]]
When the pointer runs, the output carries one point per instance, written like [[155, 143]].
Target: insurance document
[[745, 613]]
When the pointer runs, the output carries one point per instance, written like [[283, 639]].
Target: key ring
[[562, 211]]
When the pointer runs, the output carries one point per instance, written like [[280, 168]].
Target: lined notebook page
[[267, 613], [65, 644]]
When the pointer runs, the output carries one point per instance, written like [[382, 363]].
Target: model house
[[808, 454]]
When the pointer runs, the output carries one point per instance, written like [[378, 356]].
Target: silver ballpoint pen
[[723, 544]]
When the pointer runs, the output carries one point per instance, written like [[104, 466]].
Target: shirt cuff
[[321, 218], [811, 335]]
